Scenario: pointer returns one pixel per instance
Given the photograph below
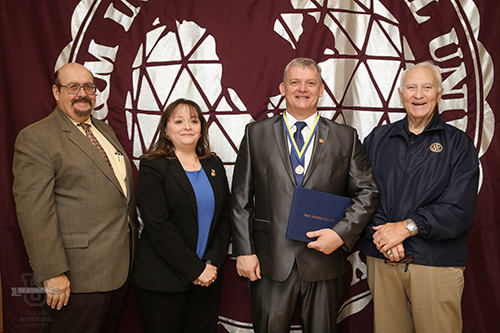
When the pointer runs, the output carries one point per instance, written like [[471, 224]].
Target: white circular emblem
[[147, 58], [153, 52]]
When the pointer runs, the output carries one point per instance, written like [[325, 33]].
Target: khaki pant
[[415, 298]]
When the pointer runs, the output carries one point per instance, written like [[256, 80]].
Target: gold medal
[[299, 169]]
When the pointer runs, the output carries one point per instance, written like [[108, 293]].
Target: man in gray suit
[[73, 188], [269, 166]]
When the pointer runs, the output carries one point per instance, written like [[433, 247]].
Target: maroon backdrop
[[229, 56]]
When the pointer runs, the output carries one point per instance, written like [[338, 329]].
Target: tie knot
[[84, 125], [300, 125]]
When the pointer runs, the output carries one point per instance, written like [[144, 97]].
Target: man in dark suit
[[73, 188], [269, 166]]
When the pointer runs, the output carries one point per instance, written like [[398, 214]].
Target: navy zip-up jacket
[[433, 179]]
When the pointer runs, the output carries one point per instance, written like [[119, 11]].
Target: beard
[[82, 113]]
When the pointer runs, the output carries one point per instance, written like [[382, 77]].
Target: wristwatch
[[411, 226]]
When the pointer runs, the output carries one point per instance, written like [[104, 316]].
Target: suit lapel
[[281, 137], [82, 142], [320, 140], [130, 179], [213, 176], [182, 179]]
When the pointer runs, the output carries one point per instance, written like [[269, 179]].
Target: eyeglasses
[[74, 88], [406, 260]]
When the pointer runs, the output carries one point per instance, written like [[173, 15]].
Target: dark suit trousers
[[273, 304], [86, 313], [195, 310]]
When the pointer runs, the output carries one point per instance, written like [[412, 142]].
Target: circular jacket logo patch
[[436, 147]]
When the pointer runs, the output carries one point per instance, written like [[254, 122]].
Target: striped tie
[[94, 141]]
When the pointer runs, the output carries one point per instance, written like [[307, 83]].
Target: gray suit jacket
[[73, 214], [262, 193]]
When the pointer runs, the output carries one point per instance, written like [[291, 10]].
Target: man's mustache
[[82, 99]]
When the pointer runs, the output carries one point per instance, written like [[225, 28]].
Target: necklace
[[192, 165]]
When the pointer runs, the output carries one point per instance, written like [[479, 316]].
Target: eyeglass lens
[[73, 89]]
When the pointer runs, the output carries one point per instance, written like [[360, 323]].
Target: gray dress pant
[[274, 303]]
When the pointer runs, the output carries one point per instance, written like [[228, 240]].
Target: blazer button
[[128, 230]]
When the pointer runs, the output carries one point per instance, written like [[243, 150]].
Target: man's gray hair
[[430, 66], [302, 62]]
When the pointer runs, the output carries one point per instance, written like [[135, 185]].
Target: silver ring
[[389, 253]]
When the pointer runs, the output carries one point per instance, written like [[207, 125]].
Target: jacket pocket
[[261, 225], [75, 241]]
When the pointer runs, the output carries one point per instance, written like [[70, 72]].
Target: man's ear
[[282, 89], [440, 95], [55, 92]]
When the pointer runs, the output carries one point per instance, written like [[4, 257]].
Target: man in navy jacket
[[415, 243]]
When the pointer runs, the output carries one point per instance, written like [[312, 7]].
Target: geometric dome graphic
[[362, 71], [182, 63]]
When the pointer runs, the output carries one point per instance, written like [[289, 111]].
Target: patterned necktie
[[299, 140], [94, 141]]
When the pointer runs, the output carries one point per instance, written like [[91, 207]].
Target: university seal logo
[[229, 58]]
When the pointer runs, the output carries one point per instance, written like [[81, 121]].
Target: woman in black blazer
[[183, 197]]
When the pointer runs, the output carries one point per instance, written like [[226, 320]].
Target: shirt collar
[[435, 124], [88, 121], [309, 120]]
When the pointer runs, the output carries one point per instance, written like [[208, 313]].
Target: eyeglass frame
[[94, 88], [406, 260]]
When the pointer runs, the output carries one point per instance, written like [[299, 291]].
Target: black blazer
[[166, 257], [263, 187]]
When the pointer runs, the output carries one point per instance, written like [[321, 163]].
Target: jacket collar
[[401, 127], [320, 137], [281, 137]]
